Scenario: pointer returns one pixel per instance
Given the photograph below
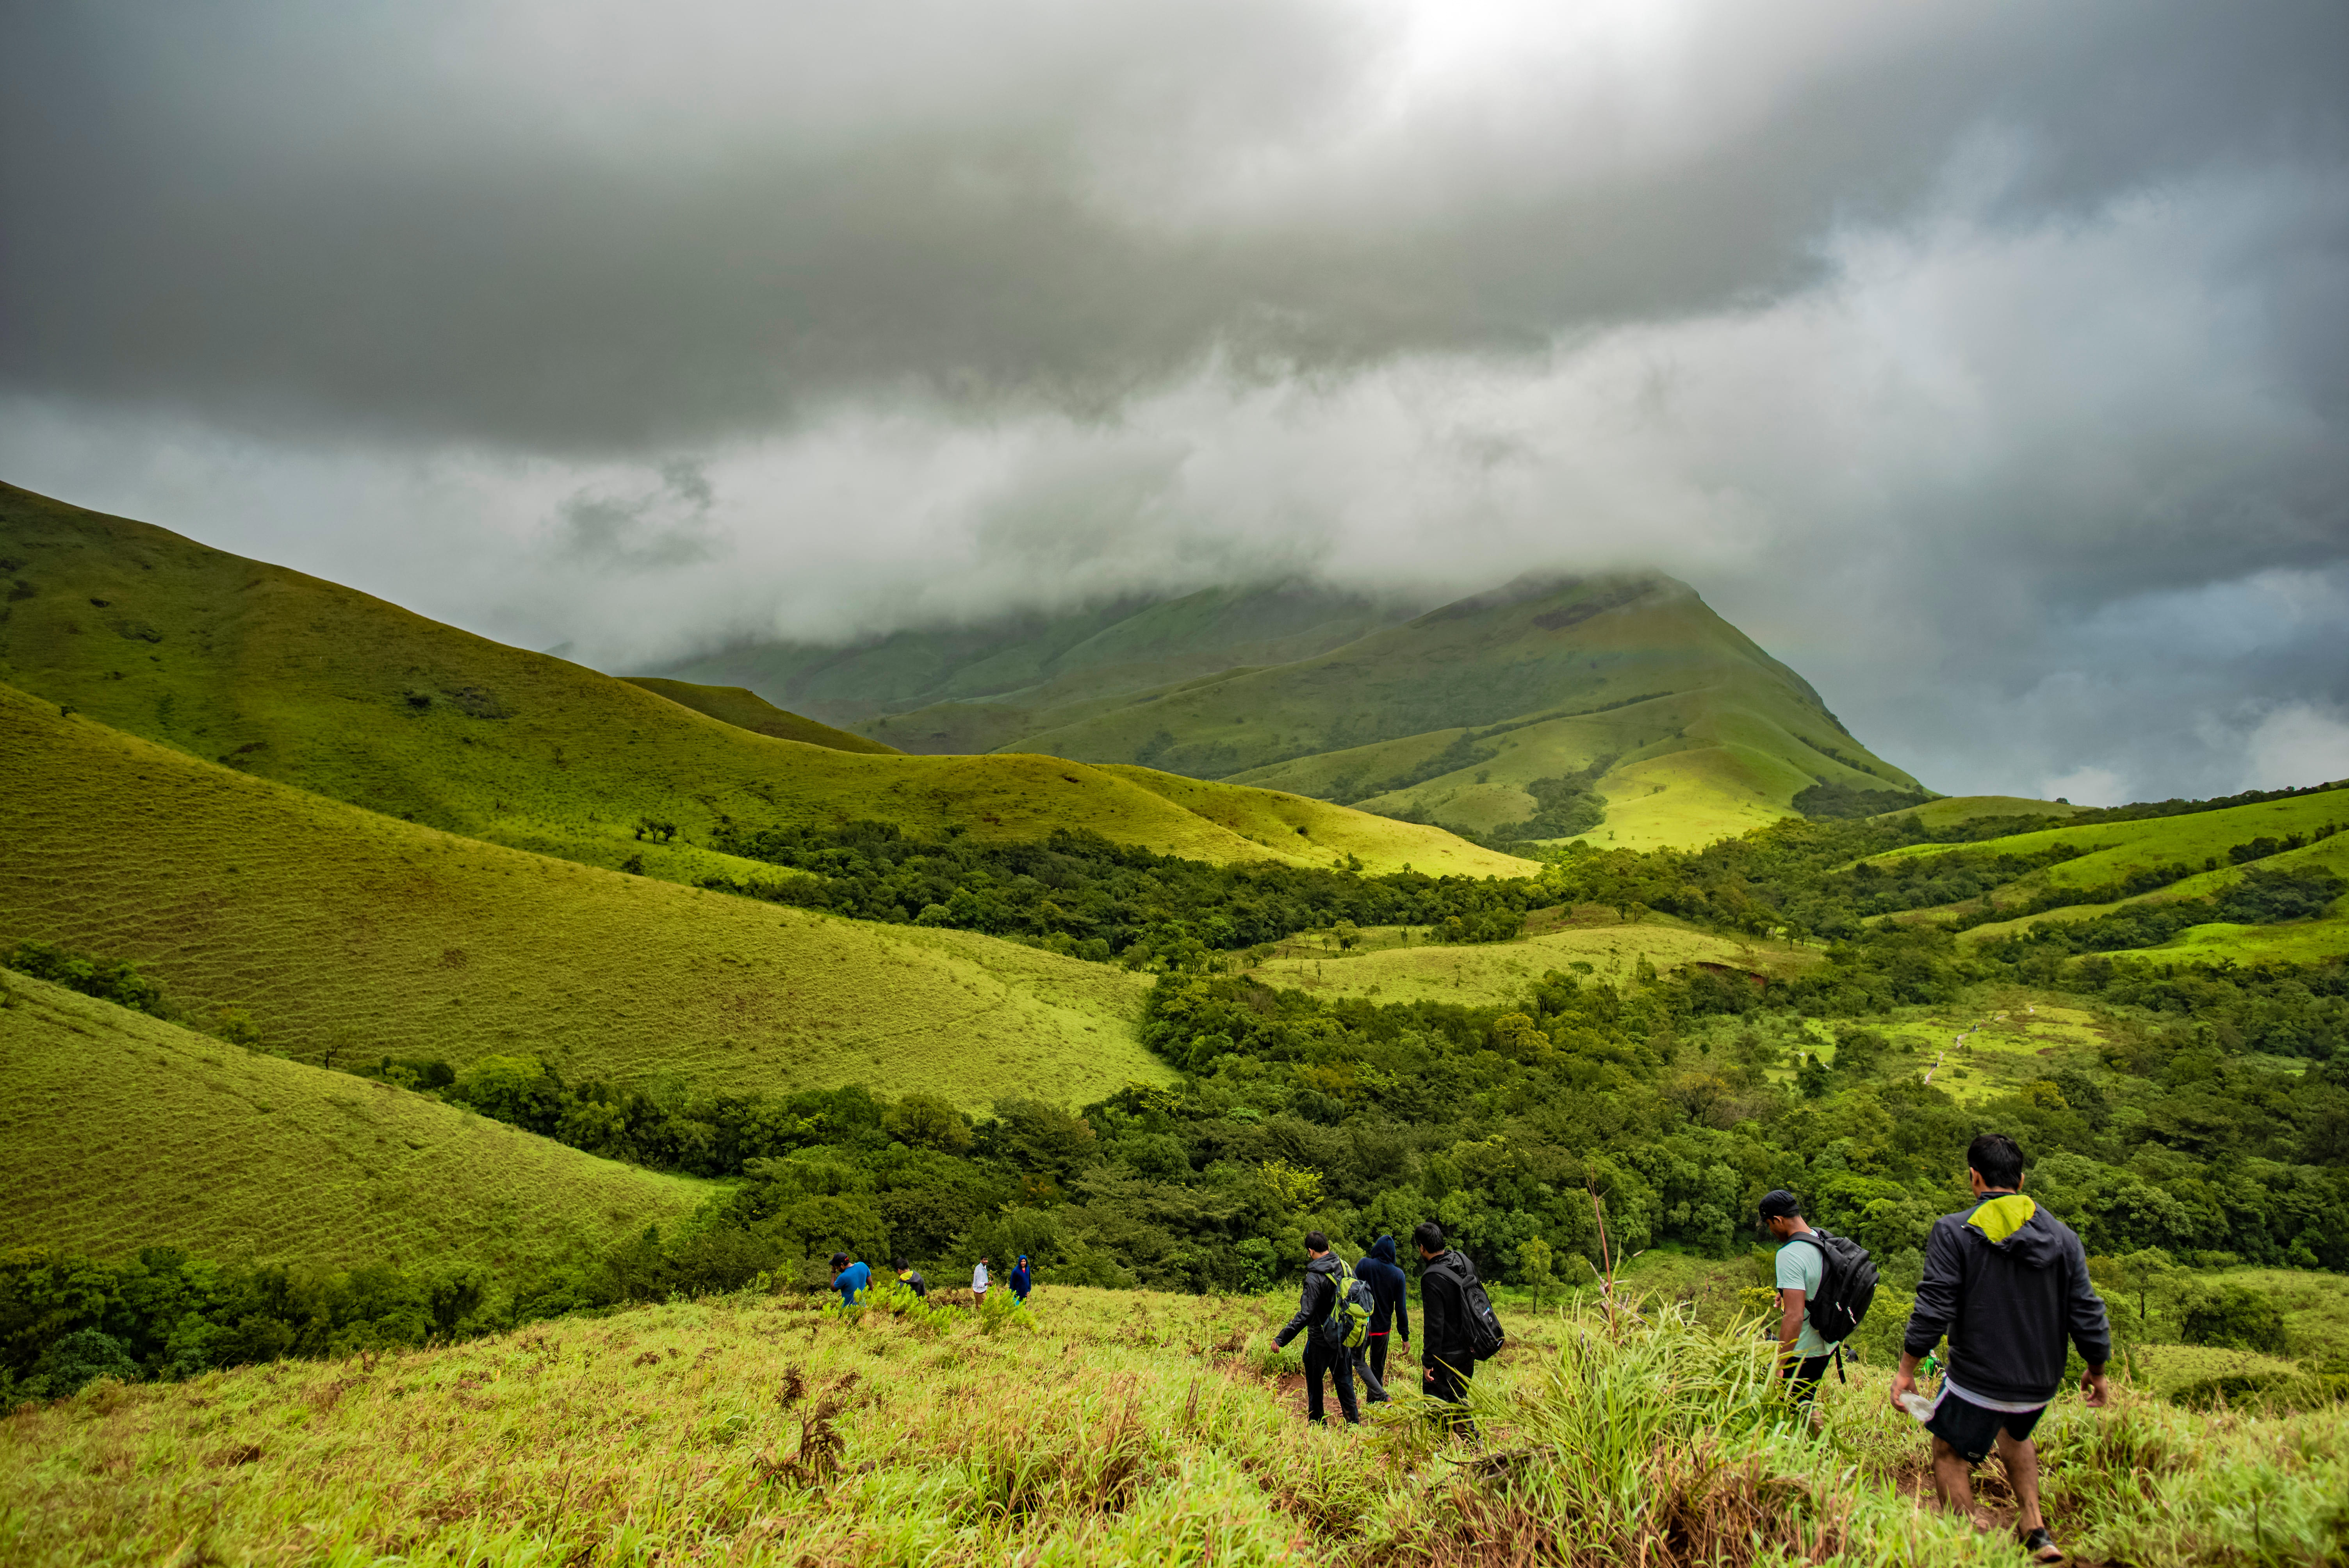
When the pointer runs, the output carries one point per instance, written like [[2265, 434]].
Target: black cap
[[1780, 1204]]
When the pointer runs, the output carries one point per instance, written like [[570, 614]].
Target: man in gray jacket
[[2008, 1283], [1315, 1306]]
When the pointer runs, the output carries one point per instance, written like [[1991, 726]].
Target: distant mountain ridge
[[1619, 706]]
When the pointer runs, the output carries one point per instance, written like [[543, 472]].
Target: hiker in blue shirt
[[1803, 1352], [849, 1279], [1021, 1280], [1390, 1287]]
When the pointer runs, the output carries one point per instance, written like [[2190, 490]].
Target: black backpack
[[1483, 1328], [1845, 1288]]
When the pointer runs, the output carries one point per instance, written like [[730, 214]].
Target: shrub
[[80, 1357], [2276, 1393], [108, 979], [2234, 1316]]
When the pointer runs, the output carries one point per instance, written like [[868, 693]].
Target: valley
[[418, 1034]]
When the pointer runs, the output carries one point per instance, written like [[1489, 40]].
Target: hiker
[[1803, 1351], [1315, 1308], [1390, 1287], [1444, 1350], [911, 1277], [1022, 1280], [2008, 1283], [978, 1281], [849, 1278]]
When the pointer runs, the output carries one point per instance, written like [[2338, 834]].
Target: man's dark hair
[[839, 1260], [1429, 1237], [1315, 1241], [898, 1263], [1996, 1158]]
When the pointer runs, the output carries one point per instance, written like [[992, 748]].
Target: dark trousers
[[1338, 1364], [1803, 1378], [1377, 1347], [1374, 1388], [1447, 1380]]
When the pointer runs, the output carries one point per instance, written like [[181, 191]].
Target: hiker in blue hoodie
[[1389, 1286], [1021, 1280], [1315, 1310], [2008, 1283], [849, 1279]]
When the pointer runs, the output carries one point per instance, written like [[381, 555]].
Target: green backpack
[[1349, 1327]]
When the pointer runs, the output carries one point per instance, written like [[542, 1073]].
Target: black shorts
[[1971, 1430]]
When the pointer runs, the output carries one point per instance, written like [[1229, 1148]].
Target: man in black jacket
[[1443, 1349], [1391, 1290], [2008, 1283], [1315, 1308]]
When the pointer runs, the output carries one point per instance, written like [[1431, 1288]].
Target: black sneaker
[[2040, 1546]]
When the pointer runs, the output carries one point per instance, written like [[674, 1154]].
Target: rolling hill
[[124, 1132], [348, 935], [288, 677], [748, 710], [2107, 852], [1495, 713]]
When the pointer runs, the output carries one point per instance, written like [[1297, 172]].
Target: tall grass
[[1112, 1429]]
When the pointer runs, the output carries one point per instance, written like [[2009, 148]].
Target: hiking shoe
[[2040, 1546]]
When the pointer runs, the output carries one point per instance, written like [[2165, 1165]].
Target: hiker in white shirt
[[979, 1280]]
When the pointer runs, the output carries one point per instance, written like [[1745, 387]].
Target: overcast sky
[[1988, 362]]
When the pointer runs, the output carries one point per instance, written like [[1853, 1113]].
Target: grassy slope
[[344, 930], [1275, 818], [315, 685], [1482, 973], [658, 1434], [1954, 808], [746, 709], [2120, 848], [921, 685], [124, 1132]]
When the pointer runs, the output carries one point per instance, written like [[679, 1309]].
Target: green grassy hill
[[288, 677], [125, 1131], [2115, 850], [1476, 715], [1951, 810], [934, 691], [748, 710], [1456, 715], [346, 931]]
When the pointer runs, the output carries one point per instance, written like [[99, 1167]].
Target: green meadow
[[1097, 1428], [124, 1132], [347, 935]]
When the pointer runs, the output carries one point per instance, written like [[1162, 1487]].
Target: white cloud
[[2085, 786], [2297, 744]]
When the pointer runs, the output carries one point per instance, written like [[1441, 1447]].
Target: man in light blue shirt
[[1803, 1352]]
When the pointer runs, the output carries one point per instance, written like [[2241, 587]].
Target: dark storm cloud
[[582, 230], [1987, 361]]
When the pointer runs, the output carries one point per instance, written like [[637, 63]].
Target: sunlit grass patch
[[1126, 1428]]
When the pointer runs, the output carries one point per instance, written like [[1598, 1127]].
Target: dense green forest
[[2212, 1123]]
